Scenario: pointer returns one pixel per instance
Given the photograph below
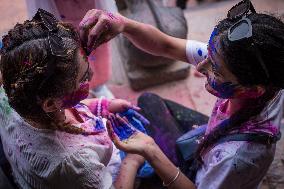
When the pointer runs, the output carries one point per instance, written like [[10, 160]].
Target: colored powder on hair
[[27, 63]]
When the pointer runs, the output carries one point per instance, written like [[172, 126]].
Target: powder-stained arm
[[98, 27], [153, 41]]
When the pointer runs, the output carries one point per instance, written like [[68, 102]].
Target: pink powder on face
[[74, 98]]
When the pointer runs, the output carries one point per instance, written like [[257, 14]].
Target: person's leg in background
[[169, 121], [186, 117], [181, 4]]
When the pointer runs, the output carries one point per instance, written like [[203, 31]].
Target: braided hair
[[268, 36], [24, 59]]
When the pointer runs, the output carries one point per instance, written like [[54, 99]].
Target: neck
[[234, 105]]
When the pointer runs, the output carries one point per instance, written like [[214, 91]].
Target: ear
[[254, 92], [259, 90], [50, 105]]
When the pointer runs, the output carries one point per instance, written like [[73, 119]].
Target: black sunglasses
[[55, 42], [242, 29]]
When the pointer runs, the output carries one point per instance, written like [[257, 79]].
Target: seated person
[[51, 138]]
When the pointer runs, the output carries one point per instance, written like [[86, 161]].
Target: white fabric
[[196, 51], [235, 165], [46, 159]]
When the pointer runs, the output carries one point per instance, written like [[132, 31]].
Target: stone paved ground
[[189, 92]]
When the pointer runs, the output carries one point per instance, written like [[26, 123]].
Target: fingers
[[111, 132], [104, 37], [123, 121], [113, 136], [115, 125], [95, 33], [89, 20], [136, 108], [129, 105], [141, 118]]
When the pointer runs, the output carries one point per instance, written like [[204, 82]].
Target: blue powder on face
[[199, 52], [211, 40], [224, 90]]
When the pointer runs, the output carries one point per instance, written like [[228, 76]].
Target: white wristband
[[196, 51]]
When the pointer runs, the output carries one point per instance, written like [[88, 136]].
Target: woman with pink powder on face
[[243, 63], [72, 11], [52, 136]]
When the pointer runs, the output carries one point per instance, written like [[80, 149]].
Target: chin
[[210, 90]]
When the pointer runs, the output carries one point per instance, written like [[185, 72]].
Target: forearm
[[153, 41], [98, 106], [166, 169], [127, 174]]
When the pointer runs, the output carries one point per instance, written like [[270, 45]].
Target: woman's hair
[[24, 59], [268, 37]]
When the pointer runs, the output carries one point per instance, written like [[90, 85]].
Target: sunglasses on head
[[242, 29]]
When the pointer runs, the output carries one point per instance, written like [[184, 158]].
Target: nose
[[203, 67]]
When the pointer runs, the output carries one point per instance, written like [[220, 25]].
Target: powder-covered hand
[[120, 105], [126, 137], [98, 27]]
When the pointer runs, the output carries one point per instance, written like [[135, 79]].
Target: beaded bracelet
[[99, 107], [102, 106], [172, 181]]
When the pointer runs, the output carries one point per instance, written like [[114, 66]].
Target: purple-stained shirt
[[42, 158], [236, 164], [268, 121]]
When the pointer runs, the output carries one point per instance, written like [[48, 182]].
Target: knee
[[147, 98]]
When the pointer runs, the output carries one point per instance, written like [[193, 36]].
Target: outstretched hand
[[120, 105], [126, 137], [98, 27]]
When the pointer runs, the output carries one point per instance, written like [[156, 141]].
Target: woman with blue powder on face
[[243, 63], [53, 137]]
